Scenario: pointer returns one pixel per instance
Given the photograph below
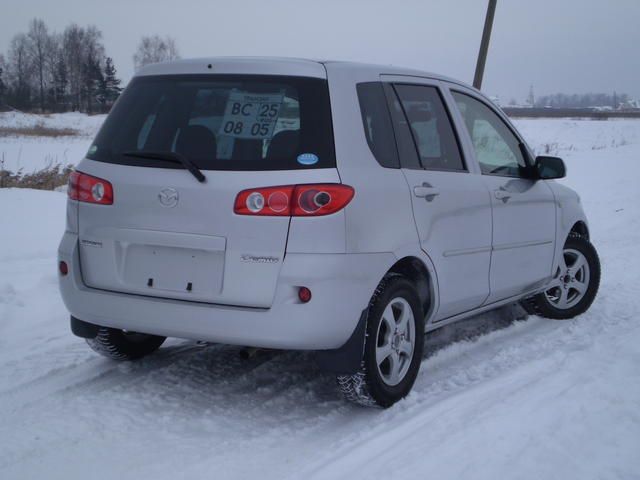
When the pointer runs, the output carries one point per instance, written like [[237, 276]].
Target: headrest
[[197, 143]]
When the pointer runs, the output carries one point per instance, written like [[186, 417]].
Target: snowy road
[[496, 398]]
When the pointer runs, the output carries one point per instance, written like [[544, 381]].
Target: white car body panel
[[460, 238]]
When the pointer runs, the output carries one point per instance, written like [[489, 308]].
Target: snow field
[[495, 398], [31, 153]]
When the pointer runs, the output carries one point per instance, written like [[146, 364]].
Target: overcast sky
[[555, 45]]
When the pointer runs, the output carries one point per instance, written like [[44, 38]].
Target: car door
[[523, 208], [451, 205]]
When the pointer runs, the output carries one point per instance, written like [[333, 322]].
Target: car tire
[[394, 343], [118, 344], [575, 284]]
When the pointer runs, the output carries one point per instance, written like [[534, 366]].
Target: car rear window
[[221, 122]]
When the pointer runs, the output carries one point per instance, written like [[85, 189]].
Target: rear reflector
[[304, 294], [85, 188], [63, 268], [294, 200]]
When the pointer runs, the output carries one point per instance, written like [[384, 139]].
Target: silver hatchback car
[[311, 205]]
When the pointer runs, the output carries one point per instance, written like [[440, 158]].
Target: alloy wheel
[[571, 281], [395, 341]]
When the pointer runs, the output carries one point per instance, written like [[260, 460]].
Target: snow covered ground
[[495, 398], [30, 153]]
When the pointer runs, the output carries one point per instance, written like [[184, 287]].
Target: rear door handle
[[426, 191], [502, 195]]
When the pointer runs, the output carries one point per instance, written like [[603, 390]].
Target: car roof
[[279, 66]]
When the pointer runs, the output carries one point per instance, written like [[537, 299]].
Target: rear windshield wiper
[[169, 157]]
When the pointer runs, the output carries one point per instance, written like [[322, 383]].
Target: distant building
[[629, 105], [531, 99]]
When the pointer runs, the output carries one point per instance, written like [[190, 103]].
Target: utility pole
[[484, 44]]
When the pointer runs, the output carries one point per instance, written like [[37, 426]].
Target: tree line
[[586, 100], [45, 71], [57, 72]]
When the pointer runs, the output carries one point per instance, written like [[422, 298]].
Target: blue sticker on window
[[308, 159]]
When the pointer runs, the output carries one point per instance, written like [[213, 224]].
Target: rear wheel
[[123, 345], [575, 284], [393, 346]]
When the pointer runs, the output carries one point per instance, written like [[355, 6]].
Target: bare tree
[[84, 54], [56, 71], [38, 46], [72, 46], [155, 49], [93, 59], [20, 69], [49, 71], [3, 85]]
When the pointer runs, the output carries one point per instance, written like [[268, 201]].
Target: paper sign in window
[[250, 116]]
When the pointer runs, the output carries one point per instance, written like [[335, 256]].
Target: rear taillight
[[86, 188], [294, 200]]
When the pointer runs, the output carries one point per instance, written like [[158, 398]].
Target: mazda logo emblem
[[168, 197]]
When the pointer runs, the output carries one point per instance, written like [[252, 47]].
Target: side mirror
[[548, 168]]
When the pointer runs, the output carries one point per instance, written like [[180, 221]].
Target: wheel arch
[[417, 272], [347, 359], [580, 228]]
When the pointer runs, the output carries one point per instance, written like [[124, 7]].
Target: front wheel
[[575, 284], [393, 346]]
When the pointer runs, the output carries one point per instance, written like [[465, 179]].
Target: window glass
[[221, 122], [431, 127], [377, 123], [406, 148], [497, 148]]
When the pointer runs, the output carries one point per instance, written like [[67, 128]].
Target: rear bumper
[[341, 284]]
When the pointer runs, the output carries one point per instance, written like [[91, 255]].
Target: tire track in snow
[[90, 373], [448, 379]]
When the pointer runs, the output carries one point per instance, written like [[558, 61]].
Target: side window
[[406, 148], [431, 127], [497, 148], [377, 123]]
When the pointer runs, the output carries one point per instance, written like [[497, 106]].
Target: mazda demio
[[293, 204]]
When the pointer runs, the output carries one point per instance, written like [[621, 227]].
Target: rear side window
[[221, 122], [431, 127], [377, 123]]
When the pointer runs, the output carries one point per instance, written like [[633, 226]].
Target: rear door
[[167, 234], [524, 215], [451, 205]]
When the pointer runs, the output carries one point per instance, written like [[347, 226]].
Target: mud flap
[[347, 359], [83, 329]]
